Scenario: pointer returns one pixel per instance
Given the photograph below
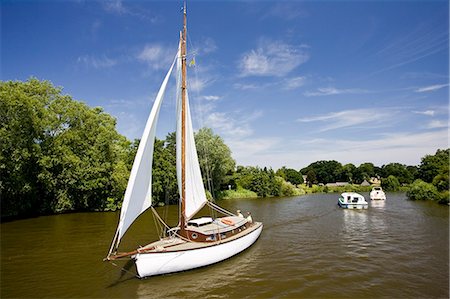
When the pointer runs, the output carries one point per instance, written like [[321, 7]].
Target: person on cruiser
[[239, 213], [249, 217]]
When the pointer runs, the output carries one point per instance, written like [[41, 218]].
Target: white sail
[[194, 188], [138, 195]]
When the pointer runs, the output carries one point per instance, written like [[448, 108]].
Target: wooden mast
[[183, 126]]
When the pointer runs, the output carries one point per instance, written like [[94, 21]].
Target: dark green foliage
[[432, 165], [434, 178], [215, 160], [290, 175], [311, 177], [325, 171], [421, 190], [164, 176], [390, 183], [57, 154], [398, 170]]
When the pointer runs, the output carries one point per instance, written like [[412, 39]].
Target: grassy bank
[[300, 190]]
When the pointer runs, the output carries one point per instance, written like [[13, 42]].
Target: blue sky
[[284, 83]]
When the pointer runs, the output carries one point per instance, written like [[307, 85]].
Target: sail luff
[[137, 197]]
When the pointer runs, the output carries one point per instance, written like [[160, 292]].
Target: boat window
[[194, 236]]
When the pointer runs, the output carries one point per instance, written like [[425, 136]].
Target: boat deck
[[175, 243]]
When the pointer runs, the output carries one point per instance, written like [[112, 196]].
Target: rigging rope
[[207, 176]]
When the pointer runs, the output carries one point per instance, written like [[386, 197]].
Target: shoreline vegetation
[[58, 155]]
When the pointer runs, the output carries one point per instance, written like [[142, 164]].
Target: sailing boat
[[194, 242]]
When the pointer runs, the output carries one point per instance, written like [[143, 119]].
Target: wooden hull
[[156, 263]]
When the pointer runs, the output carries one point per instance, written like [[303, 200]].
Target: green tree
[[214, 158], [325, 171], [22, 115], [398, 170], [432, 165], [348, 173], [164, 176], [311, 177], [290, 175], [421, 190], [57, 154], [390, 183]]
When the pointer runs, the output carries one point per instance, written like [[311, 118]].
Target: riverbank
[[302, 190]]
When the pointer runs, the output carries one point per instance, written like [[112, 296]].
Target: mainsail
[[138, 195], [194, 188]]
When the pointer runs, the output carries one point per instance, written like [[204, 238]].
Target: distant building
[[375, 181], [365, 183]]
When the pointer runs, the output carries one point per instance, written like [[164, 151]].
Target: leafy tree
[[57, 154], [22, 114], [421, 190], [398, 170], [290, 175], [432, 165], [215, 159], [348, 173], [164, 176], [390, 183], [311, 177], [325, 171]]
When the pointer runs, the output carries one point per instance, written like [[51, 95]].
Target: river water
[[309, 248]]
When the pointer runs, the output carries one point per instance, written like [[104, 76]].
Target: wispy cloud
[[97, 62], [431, 88], [402, 147], [156, 56], [285, 10], [426, 112], [327, 91], [211, 98], [272, 58], [420, 42], [350, 118], [294, 83], [117, 7], [235, 125], [435, 124]]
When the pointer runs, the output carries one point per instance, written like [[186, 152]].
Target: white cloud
[[97, 62], [115, 6], [245, 86], [327, 91], [427, 112], [272, 58], [211, 98], [156, 56], [435, 124], [295, 83], [350, 118], [431, 88], [406, 148], [234, 125]]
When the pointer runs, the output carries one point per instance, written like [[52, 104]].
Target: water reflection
[[378, 204]]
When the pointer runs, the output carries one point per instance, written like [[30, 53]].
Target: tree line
[[57, 155]]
